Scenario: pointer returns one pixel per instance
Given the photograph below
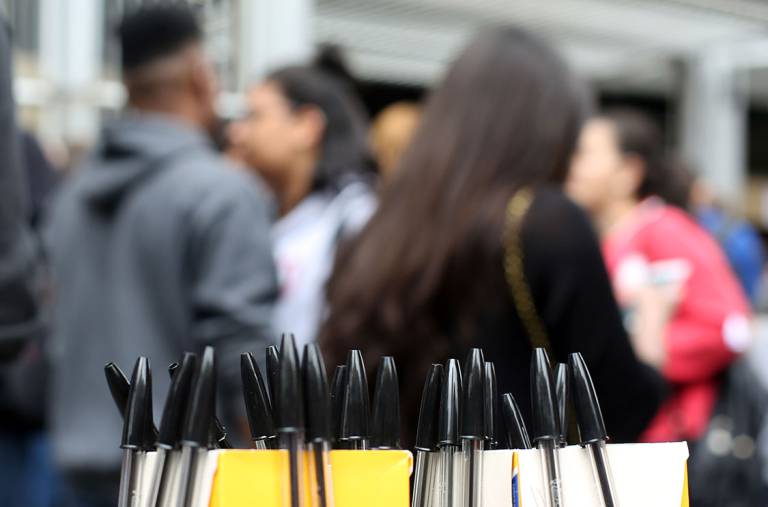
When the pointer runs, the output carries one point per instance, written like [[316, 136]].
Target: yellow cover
[[247, 478]]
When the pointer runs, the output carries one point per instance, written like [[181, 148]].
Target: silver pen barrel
[[157, 480], [126, 481], [446, 475], [420, 479]]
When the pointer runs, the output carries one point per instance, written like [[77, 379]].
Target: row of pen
[[461, 415], [297, 410]]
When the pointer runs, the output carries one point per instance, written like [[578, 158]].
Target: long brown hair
[[506, 115]]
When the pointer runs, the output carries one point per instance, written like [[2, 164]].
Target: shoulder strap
[[517, 208]]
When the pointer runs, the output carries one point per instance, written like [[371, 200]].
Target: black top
[[572, 294]]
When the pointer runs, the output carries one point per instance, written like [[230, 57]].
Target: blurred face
[[273, 135], [598, 174]]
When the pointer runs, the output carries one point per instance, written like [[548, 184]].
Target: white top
[[304, 243]]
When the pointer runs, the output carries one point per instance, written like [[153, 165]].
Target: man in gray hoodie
[[157, 245]]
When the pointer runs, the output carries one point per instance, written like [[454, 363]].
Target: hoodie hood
[[131, 149]]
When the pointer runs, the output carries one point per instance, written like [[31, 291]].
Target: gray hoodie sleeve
[[234, 281], [18, 308]]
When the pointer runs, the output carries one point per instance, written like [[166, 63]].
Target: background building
[[699, 66]]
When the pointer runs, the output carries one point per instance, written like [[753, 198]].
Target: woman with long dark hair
[[306, 136], [425, 279]]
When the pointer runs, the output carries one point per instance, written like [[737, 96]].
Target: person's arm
[[18, 306], [572, 292], [710, 323], [234, 285]]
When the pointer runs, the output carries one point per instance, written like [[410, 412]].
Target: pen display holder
[[245, 478], [644, 474]]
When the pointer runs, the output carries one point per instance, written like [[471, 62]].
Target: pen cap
[[545, 419], [491, 402], [385, 419], [257, 407], [176, 402], [473, 408], [588, 413], [118, 385], [562, 393], [202, 404], [338, 387], [450, 399], [289, 409], [517, 434], [272, 357], [138, 423], [355, 410], [316, 395], [426, 431]]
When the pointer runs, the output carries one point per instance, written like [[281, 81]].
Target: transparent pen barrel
[[320, 474], [601, 470], [551, 471], [472, 491]]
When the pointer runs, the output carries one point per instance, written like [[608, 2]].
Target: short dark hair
[[154, 31]]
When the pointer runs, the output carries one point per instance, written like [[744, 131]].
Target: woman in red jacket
[[683, 307]]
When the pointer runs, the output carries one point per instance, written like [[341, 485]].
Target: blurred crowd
[[507, 211]]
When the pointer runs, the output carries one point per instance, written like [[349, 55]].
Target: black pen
[[218, 433], [491, 406], [197, 423], [448, 441], [257, 406], [338, 387], [289, 415], [170, 428], [119, 387], [137, 436], [272, 357], [426, 436], [592, 428], [517, 434], [355, 411], [562, 394], [546, 431], [385, 413], [318, 418], [473, 425]]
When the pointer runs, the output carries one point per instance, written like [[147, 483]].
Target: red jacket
[[710, 324]]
